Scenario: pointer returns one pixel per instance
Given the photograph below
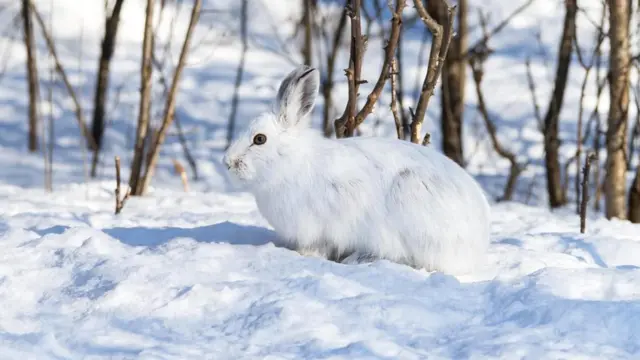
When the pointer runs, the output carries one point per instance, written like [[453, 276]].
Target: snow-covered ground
[[197, 275]]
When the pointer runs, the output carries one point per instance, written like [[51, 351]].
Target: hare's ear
[[297, 95]]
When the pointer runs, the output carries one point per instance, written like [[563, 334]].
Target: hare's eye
[[260, 139]]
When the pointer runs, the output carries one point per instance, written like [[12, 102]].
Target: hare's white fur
[[359, 197]]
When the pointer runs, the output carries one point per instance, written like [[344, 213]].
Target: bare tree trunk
[[634, 199], [32, 75], [619, 66], [145, 102], [236, 93], [170, 105], [551, 142], [453, 82], [102, 83]]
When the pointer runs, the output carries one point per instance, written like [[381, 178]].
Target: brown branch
[[488, 34], [394, 99], [63, 75], [179, 169], [146, 71], [345, 125], [390, 50], [180, 133], [327, 86], [587, 70], [477, 67], [585, 192], [441, 33], [534, 98], [170, 105], [426, 140], [120, 201], [238, 81]]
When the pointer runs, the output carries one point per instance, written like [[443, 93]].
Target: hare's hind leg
[[358, 257]]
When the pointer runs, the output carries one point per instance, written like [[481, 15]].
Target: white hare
[[358, 198]]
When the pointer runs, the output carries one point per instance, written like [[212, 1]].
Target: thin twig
[[587, 70], [180, 133], [488, 34], [327, 86], [120, 201], [585, 192], [477, 67], [183, 174], [534, 98], [170, 105], [63, 75], [394, 99], [243, 55]]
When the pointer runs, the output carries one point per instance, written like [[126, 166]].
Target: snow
[[200, 275], [184, 276]]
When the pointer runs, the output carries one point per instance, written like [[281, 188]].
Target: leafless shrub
[[63, 76]]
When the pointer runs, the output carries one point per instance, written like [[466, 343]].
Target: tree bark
[[634, 199], [557, 197], [145, 103], [616, 138], [453, 82], [32, 76], [102, 83]]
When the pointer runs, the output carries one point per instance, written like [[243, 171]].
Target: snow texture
[[198, 275]]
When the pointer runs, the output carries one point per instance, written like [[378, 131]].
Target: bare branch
[[65, 79], [488, 34], [427, 139], [585, 192], [120, 201], [327, 85], [170, 105], [477, 67], [146, 71], [345, 125], [534, 98], [442, 35], [179, 133], [243, 55], [179, 169], [394, 99], [587, 70], [390, 51]]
